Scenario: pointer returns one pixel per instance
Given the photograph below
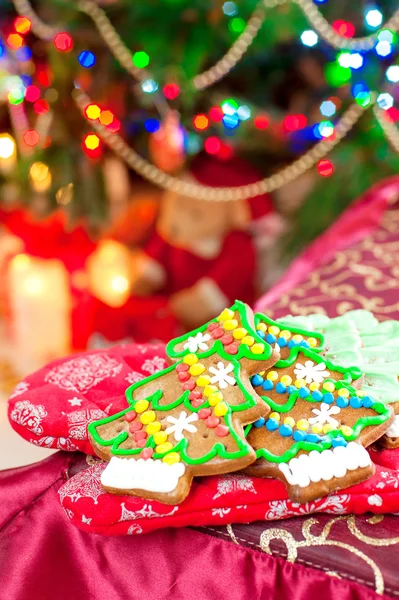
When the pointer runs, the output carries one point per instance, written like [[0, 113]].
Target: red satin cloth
[[43, 559]]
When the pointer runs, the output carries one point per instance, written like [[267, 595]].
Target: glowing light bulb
[[244, 113], [385, 101], [119, 284], [31, 137], [92, 141], [230, 9], [7, 146], [373, 17], [392, 73], [309, 38], [149, 86], [326, 129], [327, 108], [22, 25], [141, 59], [325, 168], [40, 177], [93, 112], [201, 122], [356, 60], [383, 48]]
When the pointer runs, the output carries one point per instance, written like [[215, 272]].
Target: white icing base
[[323, 466], [393, 430], [150, 475]]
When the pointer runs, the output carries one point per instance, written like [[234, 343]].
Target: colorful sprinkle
[[312, 437], [342, 402], [262, 327], [272, 376], [318, 396], [204, 413], [355, 402], [160, 437], [140, 435], [343, 392], [328, 398], [227, 339], [135, 426], [213, 326], [275, 416], [257, 348], [267, 385], [148, 417], [338, 441], [260, 422], [271, 425], [231, 348], [190, 359], [285, 430], [303, 424], [248, 340], [239, 333], [286, 380], [282, 342], [203, 380], [329, 386], [346, 430], [271, 339], [212, 422], [299, 383], [230, 324], [299, 436], [274, 330], [130, 416], [314, 386], [141, 406], [221, 409], [215, 398], [226, 315], [184, 375], [153, 427], [171, 458], [162, 448], [304, 392], [197, 369], [312, 342], [281, 388], [222, 430], [367, 402], [189, 385], [257, 380], [289, 421], [181, 367], [147, 453]]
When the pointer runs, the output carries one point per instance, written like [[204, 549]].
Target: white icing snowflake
[[19, 389], [311, 371], [29, 415], [324, 415], [85, 484], [221, 375], [197, 342], [82, 373], [153, 365], [134, 377], [182, 423], [79, 419], [231, 484], [146, 512]]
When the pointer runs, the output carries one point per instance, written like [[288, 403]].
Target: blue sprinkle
[[291, 344], [318, 396], [260, 422], [268, 385], [328, 398], [304, 344], [367, 402], [261, 333], [299, 436], [291, 389], [304, 392], [285, 430], [342, 402], [282, 342], [355, 402], [313, 437], [257, 380], [271, 339], [271, 424], [281, 388], [339, 441]]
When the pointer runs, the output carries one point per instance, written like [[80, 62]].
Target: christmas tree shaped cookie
[[188, 419], [315, 438]]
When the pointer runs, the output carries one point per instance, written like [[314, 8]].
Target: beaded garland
[[272, 334]]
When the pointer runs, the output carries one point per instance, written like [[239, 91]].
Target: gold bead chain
[[225, 194], [390, 130]]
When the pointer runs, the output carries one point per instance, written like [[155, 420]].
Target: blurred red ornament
[[22, 25], [294, 122], [41, 107], [167, 144], [344, 28], [212, 145], [392, 114], [261, 122], [63, 42], [225, 151], [171, 91], [15, 41], [31, 137], [325, 167], [216, 114], [32, 93]]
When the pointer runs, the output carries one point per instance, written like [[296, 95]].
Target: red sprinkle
[[130, 416], [141, 443], [196, 403], [195, 396], [231, 348], [135, 426], [182, 367], [204, 413], [222, 430], [140, 435], [183, 376], [147, 453], [227, 339], [213, 326], [189, 385], [217, 333], [212, 422]]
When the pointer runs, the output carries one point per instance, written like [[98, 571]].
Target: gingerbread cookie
[[188, 419]]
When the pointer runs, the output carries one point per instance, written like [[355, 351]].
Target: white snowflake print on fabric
[[182, 423], [53, 442], [335, 504], [311, 372], [86, 520], [134, 377], [375, 500], [197, 342], [221, 375], [153, 365], [79, 420], [134, 530], [220, 512], [389, 479], [75, 401], [230, 484], [19, 389], [324, 415], [29, 415], [85, 484], [82, 373], [144, 513]]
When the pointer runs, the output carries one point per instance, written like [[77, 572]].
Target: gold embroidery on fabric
[[352, 526], [232, 534]]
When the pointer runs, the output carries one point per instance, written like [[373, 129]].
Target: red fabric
[[233, 270], [43, 559], [52, 408]]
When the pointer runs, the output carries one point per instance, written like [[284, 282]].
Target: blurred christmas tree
[[286, 93]]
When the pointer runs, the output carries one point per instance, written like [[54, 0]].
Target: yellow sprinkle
[[226, 315], [276, 416], [239, 333], [141, 406], [160, 437], [312, 342], [297, 338], [210, 389], [360, 393], [261, 326], [314, 386], [299, 383], [289, 421], [327, 428], [329, 386], [343, 392], [274, 330], [346, 430], [262, 373], [190, 359], [148, 417], [171, 458], [221, 409], [285, 334], [162, 448], [258, 349], [317, 428], [286, 380], [215, 398], [196, 369], [203, 380], [272, 376], [248, 340], [230, 324], [153, 427], [303, 424]]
